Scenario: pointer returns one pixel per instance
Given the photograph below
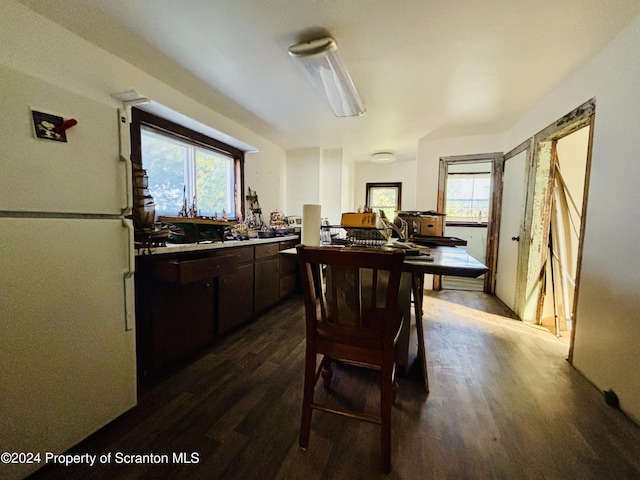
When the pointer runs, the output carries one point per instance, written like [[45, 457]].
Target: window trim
[[140, 117], [397, 185]]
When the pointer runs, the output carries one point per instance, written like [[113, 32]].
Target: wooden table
[[438, 260]]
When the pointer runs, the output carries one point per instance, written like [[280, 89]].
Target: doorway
[[547, 271], [466, 194], [571, 170]]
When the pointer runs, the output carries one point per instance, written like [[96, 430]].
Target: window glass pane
[[164, 161], [186, 167], [385, 199], [214, 183], [468, 197]]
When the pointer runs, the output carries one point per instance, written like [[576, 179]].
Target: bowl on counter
[[266, 234]]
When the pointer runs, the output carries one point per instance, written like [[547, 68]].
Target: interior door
[[511, 227]]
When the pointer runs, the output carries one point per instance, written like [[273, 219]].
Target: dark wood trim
[[519, 149], [183, 133], [467, 224], [397, 185], [575, 120], [469, 173]]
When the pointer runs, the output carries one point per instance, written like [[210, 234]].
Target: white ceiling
[[423, 67]]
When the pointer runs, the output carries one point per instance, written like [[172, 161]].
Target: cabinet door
[[267, 283], [288, 278], [182, 321], [288, 270], [235, 295]]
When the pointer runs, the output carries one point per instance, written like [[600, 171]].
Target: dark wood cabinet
[[267, 276], [175, 306], [288, 270], [184, 300], [183, 321], [235, 292]]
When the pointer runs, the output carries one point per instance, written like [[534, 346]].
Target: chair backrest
[[351, 294]]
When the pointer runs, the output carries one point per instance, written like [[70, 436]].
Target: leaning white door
[[511, 227]]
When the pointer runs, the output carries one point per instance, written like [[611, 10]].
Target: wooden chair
[[352, 315]]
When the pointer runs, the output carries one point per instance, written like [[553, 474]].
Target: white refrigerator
[[67, 323]]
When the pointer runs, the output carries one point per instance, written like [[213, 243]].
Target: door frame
[[540, 178], [496, 159]]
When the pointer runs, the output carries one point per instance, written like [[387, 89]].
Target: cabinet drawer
[[268, 250], [245, 254], [187, 271]]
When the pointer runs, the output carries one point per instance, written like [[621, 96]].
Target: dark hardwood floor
[[504, 404]]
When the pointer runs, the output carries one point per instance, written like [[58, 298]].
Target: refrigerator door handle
[[128, 281], [127, 210], [125, 156]]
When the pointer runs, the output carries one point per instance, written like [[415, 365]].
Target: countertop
[[194, 247]]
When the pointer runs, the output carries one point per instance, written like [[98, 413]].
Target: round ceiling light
[[382, 157]]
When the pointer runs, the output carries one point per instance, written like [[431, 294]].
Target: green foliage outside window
[[468, 197], [164, 161], [385, 199], [212, 182], [179, 170]]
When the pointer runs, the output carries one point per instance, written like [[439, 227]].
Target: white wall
[[331, 185], [401, 171], [34, 45], [303, 178], [607, 338], [476, 238], [348, 186], [429, 153]]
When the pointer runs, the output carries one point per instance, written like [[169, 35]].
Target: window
[[384, 197], [182, 164], [468, 197]]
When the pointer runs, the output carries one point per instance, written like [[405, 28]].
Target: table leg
[[418, 292]]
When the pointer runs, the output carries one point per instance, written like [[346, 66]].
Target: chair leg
[[386, 400], [307, 398]]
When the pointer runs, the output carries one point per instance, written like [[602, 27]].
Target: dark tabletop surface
[[440, 260]]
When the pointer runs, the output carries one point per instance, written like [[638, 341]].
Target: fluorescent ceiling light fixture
[[322, 63], [382, 157]]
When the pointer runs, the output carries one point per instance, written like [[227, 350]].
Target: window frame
[[179, 132], [396, 185]]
